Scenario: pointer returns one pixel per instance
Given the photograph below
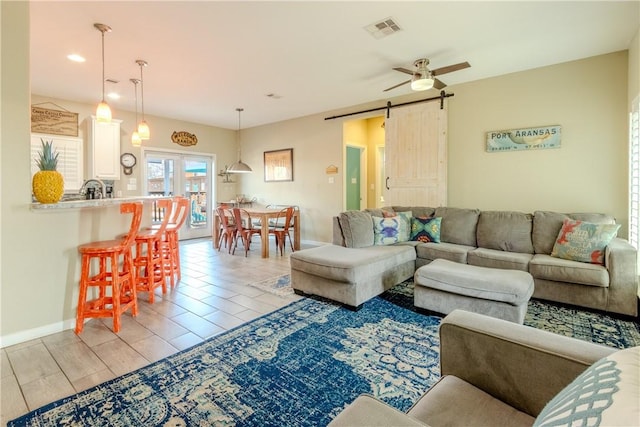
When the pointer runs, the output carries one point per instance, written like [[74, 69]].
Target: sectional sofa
[[495, 239]]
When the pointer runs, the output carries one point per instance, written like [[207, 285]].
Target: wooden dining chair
[[227, 228], [244, 229], [281, 227]]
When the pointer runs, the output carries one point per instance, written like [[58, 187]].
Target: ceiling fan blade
[[404, 70], [438, 84], [450, 68], [398, 85]]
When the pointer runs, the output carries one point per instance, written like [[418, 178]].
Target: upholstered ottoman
[[348, 275], [443, 286]]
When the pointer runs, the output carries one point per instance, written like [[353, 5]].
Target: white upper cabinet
[[103, 149]]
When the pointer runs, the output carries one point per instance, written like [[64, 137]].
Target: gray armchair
[[500, 373]]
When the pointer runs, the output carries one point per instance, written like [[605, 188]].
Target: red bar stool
[[148, 261], [120, 277], [171, 256]]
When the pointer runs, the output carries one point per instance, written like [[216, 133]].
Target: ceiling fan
[[422, 78]]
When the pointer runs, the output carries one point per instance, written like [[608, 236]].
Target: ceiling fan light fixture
[[422, 79]]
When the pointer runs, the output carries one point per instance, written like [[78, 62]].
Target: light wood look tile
[[212, 297]]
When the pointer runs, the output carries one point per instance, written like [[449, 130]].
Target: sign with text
[[538, 138], [54, 122]]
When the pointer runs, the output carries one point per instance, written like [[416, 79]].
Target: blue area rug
[[586, 325], [298, 366]]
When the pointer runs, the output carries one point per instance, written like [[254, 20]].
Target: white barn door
[[416, 156]]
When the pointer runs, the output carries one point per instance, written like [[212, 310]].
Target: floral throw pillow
[[426, 229], [395, 229], [583, 241]]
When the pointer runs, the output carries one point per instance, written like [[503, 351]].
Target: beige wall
[[588, 98], [634, 67], [588, 172]]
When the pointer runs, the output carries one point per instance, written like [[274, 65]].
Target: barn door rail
[[389, 106]]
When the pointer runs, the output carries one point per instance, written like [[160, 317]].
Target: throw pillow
[[606, 394], [387, 231], [583, 241], [426, 229]]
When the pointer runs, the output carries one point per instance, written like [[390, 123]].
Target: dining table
[[264, 215]]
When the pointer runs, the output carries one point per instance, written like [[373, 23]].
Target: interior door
[[353, 177], [190, 176], [416, 156]]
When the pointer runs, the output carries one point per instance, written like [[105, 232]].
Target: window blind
[[634, 173]]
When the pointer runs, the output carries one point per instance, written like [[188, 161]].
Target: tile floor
[[211, 298]]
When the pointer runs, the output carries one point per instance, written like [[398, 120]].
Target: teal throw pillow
[[583, 241], [395, 229], [605, 394], [426, 229]]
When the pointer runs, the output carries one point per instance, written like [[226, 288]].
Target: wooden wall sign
[[184, 138], [539, 138], [54, 122]]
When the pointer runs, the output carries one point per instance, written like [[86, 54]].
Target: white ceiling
[[208, 57]]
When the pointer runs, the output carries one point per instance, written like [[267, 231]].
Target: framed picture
[[278, 165]]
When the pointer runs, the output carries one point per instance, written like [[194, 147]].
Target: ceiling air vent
[[383, 28]]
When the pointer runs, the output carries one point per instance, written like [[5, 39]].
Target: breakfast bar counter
[[92, 203]]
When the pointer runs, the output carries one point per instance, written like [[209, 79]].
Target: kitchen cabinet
[[103, 149]]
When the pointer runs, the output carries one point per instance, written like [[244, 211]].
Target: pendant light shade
[[143, 127], [239, 166], [103, 112], [136, 141]]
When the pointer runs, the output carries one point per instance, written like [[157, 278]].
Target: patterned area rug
[[573, 322], [279, 285], [564, 320], [298, 366]]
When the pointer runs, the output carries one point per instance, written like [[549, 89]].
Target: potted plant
[[47, 183]]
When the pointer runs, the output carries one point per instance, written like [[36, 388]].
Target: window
[[69, 158], [634, 173]]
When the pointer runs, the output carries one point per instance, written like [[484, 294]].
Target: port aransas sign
[[539, 138]]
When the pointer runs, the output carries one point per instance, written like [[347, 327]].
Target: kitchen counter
[[92, 203]]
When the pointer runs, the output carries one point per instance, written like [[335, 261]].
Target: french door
[[188, 175]]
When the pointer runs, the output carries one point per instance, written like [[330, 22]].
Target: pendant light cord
[[141, 91], [102, 31]]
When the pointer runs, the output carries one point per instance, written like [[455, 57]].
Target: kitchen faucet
[[83, 189]]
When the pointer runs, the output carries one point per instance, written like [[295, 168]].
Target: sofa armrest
[[621, 260], [519, 365], [368, 411]]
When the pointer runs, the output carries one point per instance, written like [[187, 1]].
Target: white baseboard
[[31, 334]]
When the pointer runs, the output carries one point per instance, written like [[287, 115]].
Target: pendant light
[[239, 166], [103, 112], [136, 141], [143, 127]]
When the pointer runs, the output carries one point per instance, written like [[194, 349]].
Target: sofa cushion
[[547, 225], [505, 231], [349, 264], [449, 251], [390, 230], [356, 228], [607, 393], [417, 211], [493, 258], [454, 402], [492, 284], [458, 225], [426, 229], [367, 411], [547, 267], [583, 241]]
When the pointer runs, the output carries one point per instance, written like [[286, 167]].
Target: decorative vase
[[48, 186]]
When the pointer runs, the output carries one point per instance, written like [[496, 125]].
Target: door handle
[[386, 183]]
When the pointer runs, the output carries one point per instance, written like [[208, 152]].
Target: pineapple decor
[[47, 183]]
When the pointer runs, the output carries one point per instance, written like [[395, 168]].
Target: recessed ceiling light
[[75, 58], [113, 95]]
